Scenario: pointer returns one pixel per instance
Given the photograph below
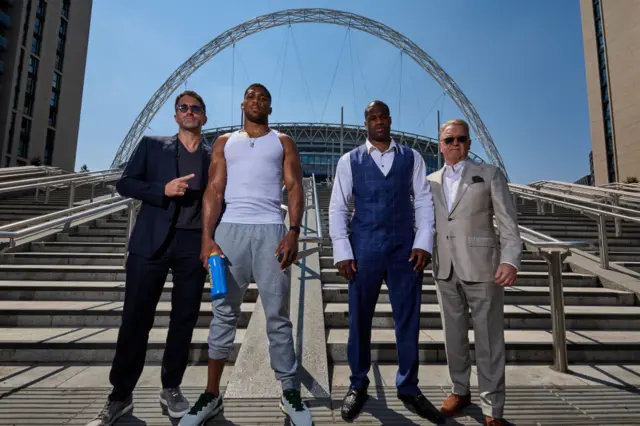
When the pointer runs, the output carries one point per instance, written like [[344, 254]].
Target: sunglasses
[[461, 139], [196, 109]]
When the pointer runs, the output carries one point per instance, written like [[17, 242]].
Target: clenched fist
[[178, 186]]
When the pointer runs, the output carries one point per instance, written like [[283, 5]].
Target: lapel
[[175, 149], [437, 177], [465, 181]]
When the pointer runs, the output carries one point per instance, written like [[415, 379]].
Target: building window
[[30, 92], [12, 129], [16, 89], [25, 137], [55, 99], [605, 93], [38, 27], [48, 149], [62, 40], [25, 26], [65, 8]]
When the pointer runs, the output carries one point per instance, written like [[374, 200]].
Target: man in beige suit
[[472, 265]]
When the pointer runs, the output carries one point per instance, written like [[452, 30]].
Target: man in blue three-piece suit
[[169, 175], [382, 177]]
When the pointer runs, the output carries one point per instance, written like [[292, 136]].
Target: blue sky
[[520, 63]]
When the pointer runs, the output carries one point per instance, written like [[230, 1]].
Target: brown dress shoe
[[454, 404], [491, 421]]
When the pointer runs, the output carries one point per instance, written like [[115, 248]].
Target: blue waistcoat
[[383, 219]]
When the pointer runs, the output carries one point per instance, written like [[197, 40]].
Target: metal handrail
[[61, 213], [554, 251], [11, 236], [585, 189], [597, 214], [58, 178], [588, 202]]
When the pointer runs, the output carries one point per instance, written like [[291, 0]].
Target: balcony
[[5, 20]]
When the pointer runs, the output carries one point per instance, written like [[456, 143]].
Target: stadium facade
[[320, 144]]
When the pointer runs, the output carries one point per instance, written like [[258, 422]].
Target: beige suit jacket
[[466, 238]]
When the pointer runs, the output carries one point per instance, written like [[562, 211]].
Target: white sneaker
[[291, 404], [205, 408]]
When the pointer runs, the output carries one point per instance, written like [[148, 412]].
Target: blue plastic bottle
[[217, 275]]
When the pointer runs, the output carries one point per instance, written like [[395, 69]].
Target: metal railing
[[554, 252], [51, 183], [590, 209], [61, 219], [612, 195]]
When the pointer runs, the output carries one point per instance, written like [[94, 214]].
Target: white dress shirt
[[450, 181], [343, 191]]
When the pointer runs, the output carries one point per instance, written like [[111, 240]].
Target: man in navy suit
[[169, 175]]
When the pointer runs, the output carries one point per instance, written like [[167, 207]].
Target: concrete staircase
[[26, 206], [568, 225], [61, 299], [603, 324]]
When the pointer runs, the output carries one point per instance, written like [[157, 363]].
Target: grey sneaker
[[111, 412], [175, 403]]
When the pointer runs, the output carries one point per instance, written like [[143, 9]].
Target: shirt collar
[[456, 168], [371, 147]]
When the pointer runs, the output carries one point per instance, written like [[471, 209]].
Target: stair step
[[91, 345], [73, 247], [521, 345], [569, 279], [532, 265], [93, 314], [523, 317], [102, 291], [516, 295]]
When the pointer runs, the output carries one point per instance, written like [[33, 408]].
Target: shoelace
[[175, 394], [293, 397], [204, 400], [105, 414]]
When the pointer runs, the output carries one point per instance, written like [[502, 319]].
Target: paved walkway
[[592, 395]]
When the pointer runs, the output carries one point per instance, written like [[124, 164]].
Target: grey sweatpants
[[250, 256]]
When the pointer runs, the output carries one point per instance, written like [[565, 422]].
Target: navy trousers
[[405, 287]]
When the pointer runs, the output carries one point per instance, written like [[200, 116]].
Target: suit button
[[447, 237], [450, 219]]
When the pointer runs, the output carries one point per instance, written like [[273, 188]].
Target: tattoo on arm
[[292, 172]]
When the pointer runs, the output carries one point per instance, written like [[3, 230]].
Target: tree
[[84, 168], [632, 179]]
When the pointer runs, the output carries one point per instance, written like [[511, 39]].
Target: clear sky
[[520, 63]]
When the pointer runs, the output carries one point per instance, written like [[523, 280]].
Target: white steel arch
[[297, 16]]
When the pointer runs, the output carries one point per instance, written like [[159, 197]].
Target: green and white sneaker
[[206, 407], [291, 404]]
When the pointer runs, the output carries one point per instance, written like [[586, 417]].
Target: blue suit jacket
[[154, 164]]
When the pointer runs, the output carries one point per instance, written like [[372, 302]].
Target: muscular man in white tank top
[[247, 170]]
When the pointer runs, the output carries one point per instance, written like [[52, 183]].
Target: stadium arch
[[308, 15]]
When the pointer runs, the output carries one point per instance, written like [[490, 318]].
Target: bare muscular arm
[[213, 198], [292, 173]]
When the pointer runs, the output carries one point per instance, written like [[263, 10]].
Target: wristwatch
[[294, 228]]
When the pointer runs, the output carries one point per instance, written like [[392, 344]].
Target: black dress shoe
[[353, 402], [423, 407]]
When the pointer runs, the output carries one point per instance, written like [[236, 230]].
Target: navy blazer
[[154, 164]]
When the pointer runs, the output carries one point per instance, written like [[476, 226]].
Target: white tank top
[[253, 192]]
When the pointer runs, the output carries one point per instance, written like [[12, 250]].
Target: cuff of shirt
[[509, 263], [342, 250], [423, 240]]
